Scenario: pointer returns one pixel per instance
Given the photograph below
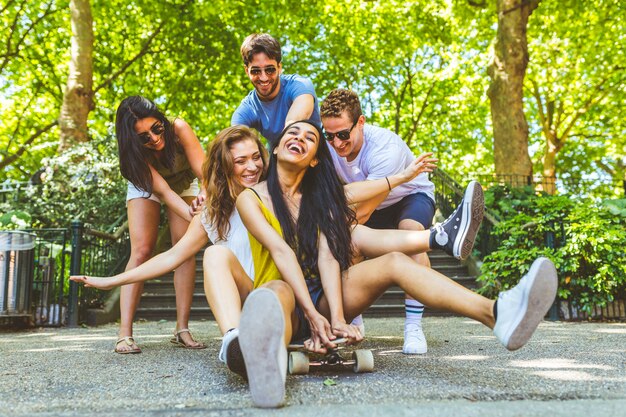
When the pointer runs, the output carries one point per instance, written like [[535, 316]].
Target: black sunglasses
[[342, 134], [268, 71], [157, 129]]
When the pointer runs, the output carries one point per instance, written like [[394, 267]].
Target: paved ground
[[568, 369]]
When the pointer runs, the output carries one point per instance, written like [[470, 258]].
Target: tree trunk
[[507, 70], [549, 168], [78, 97]]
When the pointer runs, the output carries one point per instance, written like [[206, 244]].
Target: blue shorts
[[304, 330], [418, 207]]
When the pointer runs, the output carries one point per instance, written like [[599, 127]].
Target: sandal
[[177, 340], [129, 342]]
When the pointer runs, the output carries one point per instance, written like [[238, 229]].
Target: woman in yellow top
[[236, 159], [301, 219]]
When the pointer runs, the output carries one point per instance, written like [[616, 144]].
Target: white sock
[[414, 311]]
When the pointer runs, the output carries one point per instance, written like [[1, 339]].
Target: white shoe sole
[[540, 297], [473, 211], [261, 339]]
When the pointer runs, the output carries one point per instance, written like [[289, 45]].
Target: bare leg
[[376, 242], [226, 286], [143, 223], [365, 282], [288, 303], [184, 279]]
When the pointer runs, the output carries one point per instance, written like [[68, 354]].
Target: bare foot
[[126, 344]]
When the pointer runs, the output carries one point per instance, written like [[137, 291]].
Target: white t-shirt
[[383, 154], [236, 240]]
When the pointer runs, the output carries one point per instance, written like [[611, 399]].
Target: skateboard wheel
[[298, 363], [363, 361]]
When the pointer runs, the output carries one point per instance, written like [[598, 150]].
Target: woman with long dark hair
[[300, 227], [162, 160], [236, 159]]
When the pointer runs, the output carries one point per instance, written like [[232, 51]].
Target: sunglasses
[[157, 129], [269, 71], [342, 134]]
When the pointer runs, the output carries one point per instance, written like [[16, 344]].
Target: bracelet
[[388, 183]]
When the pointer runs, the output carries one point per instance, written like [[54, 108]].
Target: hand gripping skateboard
[[300, 359]]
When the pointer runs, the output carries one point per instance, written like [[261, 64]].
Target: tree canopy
[[419, 67]]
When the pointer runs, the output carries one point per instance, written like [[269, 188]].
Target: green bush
[[83, 183], [585, 239]]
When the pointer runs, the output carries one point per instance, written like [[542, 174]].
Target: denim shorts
[[304, 330], [134, 192], [419, 207]]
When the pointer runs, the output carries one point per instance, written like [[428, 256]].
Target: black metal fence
[[59, 253], [576, 186]]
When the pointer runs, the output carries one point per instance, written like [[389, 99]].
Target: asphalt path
[[567, 369]]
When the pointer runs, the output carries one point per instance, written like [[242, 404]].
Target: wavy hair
[[132, 154], [218, 180], [323, 208]]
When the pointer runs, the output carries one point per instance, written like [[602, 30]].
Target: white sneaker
[[414, 340], [230, 353], [521, 309], [261, 337], [359, 323]]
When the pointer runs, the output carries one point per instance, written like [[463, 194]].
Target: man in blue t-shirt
[[277, 99]]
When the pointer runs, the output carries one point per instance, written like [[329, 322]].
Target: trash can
[[16, 272]]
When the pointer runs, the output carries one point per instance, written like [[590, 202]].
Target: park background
[[525, 95]]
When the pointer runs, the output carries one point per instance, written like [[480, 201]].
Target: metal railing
[[59, 253], [582, 187]]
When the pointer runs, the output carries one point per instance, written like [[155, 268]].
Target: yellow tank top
[[265, 269]]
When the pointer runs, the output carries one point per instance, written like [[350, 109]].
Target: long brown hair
[[133, 155], [218, 168]]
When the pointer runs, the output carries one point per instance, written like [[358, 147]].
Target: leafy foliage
[[83, 183], [585, 239]]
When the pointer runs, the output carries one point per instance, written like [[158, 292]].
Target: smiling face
[[151, 133], [349, 148], [264, 73], [247, 162], [299, 145]]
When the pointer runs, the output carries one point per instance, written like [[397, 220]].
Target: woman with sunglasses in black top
[[162, 160]]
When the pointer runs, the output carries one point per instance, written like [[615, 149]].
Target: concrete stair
[[159, 302]]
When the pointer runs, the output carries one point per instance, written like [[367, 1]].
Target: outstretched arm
[[194, 239], [287, 263], [368, 195]]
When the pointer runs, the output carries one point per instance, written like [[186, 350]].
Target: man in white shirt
[[364, 152]]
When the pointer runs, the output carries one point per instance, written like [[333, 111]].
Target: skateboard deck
[[301, 360]]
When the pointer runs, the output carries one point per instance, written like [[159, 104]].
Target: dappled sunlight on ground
[[466, 358], [565, 370], [554, 363], [563, 375]]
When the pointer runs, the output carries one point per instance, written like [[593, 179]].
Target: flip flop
[[177, 340], [129, 342]]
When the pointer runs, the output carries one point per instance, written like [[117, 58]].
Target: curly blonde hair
[[218, 181]]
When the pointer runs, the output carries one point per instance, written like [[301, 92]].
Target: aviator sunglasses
[[342, 134], [157, 129], [269, 71]]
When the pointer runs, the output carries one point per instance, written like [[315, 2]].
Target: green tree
[[575, 88]]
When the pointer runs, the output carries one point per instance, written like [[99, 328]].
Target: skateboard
[[300, 359]]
